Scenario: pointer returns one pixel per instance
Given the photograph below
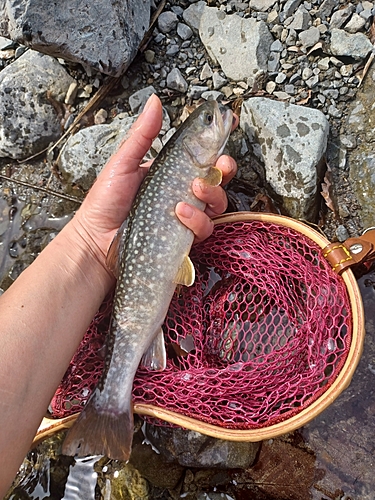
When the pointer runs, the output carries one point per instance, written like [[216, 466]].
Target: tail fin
[[99, 432]]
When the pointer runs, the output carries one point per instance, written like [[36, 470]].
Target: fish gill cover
[[264, 331]]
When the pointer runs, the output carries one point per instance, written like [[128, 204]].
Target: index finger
[[228, 167]]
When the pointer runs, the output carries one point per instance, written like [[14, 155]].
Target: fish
[[150, 257]]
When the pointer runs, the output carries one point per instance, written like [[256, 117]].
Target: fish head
[[205, 133]]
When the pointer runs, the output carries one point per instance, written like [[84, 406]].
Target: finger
[[228, 166], [214, 197], [139, 139], [235, 121], [196, 220]]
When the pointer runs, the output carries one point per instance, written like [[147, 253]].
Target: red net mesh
[[263, 332]]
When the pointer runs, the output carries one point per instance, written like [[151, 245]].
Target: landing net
[[264, 331]]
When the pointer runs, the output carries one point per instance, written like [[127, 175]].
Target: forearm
[[43, 317]]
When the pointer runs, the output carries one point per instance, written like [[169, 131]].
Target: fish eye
[[208, 118]]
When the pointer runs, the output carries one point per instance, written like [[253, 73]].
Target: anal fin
[[155, 358], [186, 273]]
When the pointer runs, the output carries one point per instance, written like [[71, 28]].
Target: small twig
[[93, 102], [43, 189], [148, 33], [366, 68]]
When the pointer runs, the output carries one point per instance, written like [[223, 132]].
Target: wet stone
[[342, 233], [192, 449]]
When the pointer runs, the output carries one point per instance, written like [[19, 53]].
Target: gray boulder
[[290, 141], [241, 46], [86, 152], [103, 35], [28, 120]]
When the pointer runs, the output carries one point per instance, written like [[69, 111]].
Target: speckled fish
[[152, 252]]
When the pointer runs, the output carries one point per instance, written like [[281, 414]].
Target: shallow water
[[27, 225]]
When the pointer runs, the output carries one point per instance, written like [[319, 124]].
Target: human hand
[[109, 201]]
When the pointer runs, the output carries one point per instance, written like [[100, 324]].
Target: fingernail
[[148, 103], [185, 210]]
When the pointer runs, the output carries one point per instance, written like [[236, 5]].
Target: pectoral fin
[[116, 248], [214, 176], [155, 358], [186, 274]]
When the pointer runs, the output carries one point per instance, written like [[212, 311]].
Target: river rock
[[192, 449], [261, 5], [355, 45], [355, 24], [167, 21], [301, 20], [193, 14], [28, 120], [309, 37], [138, 100], [241, 46], [290, 7], [176, 81], [326, 8], [86, 152], [290, 141], [340, 17], [104, 35]]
